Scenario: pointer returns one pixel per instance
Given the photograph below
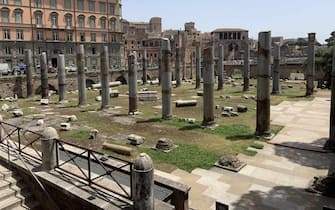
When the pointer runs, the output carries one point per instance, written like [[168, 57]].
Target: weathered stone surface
[[184, 103], [65, 126], [230, 161], [147, 95], [44, 101], [242, 108], [72, 118], [40, 122], [234, 114], [98, 98], [200, 93], [4, 107], [165, 144], [227, 108], [135, 139], [114, 93], [94, 133], [228, 97], [245, 97], [225, 114], [154, 82], [17, 113], [191, 120]]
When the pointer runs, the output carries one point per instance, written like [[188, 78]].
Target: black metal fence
[[107, 173]]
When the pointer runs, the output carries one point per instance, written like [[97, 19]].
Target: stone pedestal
[[49, 148], [142, 183]]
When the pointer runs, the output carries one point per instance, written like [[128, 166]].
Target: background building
[[59, 26]]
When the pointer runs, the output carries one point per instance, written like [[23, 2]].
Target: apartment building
[[59, 26]]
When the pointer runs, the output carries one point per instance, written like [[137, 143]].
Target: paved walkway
[[276, 178]]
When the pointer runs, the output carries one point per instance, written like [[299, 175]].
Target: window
[[5, 15], [112, 24], [67, 4], [20, 50], [19, 34], [103, 22], [104, 37], [8, 50], [53, 4], [80, 5], [102, 7], [4, 1], [39, 35], [6, 34], [38, 19], [39, 50], [17, 2], [92, 22], [82, 37], [69, 36], [38, 3], [112, 9], [81, 21], [91, 6], [93, 37], [68, 20], [55, 36], [18, 16], [54, 20], [94, 50]]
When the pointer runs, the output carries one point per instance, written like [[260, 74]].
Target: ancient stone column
[[61, 77], [49, 148], [208, 98], [276, 74], [81, 75], [330, 144], [220, 67], [44, 76], [104, 61], [144, 63], [246, 66], [310, 72], [177, 67], [191, 66], [160, 66], [166, 80], [143, 182], [197, 66], [28, 59], [132, 81], [263, 84]]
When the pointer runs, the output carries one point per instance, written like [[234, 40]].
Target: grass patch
[[185, 156], [78, 134], [257, 145]]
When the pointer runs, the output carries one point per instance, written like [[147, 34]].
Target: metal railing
[[105, 173]]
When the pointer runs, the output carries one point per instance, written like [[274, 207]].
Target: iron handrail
[[88, 155]]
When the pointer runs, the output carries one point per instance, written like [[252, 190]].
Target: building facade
[[59, 26], [233, 40]]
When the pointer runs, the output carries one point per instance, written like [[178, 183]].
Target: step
[[10, 203], [5, 193]]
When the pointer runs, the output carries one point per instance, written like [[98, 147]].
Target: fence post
[[142, 183], [49, 148]]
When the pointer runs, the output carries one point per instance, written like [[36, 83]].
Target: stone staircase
[[14, 194]]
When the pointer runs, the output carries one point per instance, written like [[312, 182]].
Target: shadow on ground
[[305, 157], [282, 197]]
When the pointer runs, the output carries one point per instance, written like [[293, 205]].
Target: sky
[[288, 18]]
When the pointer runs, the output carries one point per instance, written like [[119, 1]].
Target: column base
[[329, 145], [324, 185], [265, 134]]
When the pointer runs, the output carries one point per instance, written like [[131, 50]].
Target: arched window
[[18, 15], [113, 24], [103, 22], [38, 18], [81, 21], [68, 20], [5, 15], [54, 19], [92, 21]]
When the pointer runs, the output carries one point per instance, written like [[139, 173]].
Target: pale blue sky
[[288, 18]]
